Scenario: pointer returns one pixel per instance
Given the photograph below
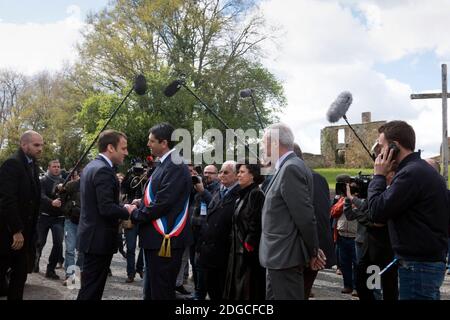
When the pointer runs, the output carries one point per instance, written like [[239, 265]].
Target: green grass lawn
[[331, 173]]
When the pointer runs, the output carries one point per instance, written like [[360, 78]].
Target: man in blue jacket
[[100, 213], [415, 207]]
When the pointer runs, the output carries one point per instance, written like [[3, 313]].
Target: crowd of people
[[247, 236]]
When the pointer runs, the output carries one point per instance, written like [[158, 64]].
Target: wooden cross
[[442, 96]]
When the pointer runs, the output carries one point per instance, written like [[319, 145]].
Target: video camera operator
[[415, 207], [133, 186], [51, 218], [372, 243], [344, 234]]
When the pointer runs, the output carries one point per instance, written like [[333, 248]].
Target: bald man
[[19, 209]]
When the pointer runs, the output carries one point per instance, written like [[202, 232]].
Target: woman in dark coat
[[245, 278]]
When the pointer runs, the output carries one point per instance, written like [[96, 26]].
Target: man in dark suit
[[20, 197], [289, 240], [163, 216], [214, 243], [100, 213]]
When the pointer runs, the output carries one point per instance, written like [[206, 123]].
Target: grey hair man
[[289, 240]]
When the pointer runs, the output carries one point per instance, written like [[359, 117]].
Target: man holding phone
[[415, 207]]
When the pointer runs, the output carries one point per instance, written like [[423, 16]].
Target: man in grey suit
[[289, 240]]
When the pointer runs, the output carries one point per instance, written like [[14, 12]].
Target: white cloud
[[33, 47], [331, 46]]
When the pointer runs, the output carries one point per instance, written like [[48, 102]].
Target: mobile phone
[[393, 146]]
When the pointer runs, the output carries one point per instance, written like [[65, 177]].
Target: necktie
[[223, 192]]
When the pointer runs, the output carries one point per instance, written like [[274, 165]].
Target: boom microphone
[[245, 93], [339, 107], [173, 88], [140, 85]]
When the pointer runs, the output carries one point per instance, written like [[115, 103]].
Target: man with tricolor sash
[[163, 216]]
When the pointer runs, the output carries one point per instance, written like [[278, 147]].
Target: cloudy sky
[[379, 50]]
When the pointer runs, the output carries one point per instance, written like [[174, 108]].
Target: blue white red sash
[[161, 224]]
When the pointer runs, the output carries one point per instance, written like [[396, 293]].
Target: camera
[[137, 167], [358, 185], [197, 179]]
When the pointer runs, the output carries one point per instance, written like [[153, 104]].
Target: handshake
[[131, 207]]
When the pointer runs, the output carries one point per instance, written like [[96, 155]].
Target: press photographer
[[71, 206], [415, 207], [205, 188]]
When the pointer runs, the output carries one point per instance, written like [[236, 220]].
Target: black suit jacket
[[19, 200], [215, 240], [171, 186], [322, 205], [100, 209]]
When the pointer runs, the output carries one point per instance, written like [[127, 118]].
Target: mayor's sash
[[161, 224]]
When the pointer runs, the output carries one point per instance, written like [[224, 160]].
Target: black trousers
[[215, 282], [17, 262], [389, 280], [160, 274], [309, 276], [93, 277]]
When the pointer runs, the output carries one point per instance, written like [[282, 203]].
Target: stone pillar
[[366, 117]]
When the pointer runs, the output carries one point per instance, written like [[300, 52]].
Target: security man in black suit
[[163, 216], [19, 209], [100, 213]]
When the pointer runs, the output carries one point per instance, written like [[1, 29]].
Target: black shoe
[[51, 275], [181, 289], [130, 279], [141, 274]]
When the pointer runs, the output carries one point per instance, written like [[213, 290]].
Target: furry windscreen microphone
[[173, 88], [140, 85], [245, 93], [339, 107]]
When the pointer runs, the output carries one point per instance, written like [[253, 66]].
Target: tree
[[215, 43], [47, 103]]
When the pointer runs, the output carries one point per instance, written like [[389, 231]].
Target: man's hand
[[199, 187], [17, 241], [384, 162], [136, 202], [130, 208], [318, 262], [56, 203], [349, 194]]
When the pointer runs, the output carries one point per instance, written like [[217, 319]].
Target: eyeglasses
[[224, 172]]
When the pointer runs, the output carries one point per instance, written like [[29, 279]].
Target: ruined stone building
[[341, 148]]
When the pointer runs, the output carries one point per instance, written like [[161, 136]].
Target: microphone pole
[[95, 140], [183, 83], [257, 112], [370, 155]]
